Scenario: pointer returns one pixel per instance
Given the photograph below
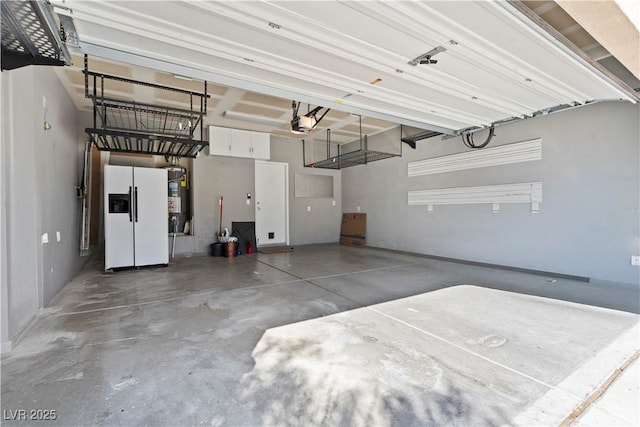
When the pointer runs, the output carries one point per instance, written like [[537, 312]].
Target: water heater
[[178, 198]]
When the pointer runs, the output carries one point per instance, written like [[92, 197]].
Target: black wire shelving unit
[[353, 158], [135, 127], [361, 156], [30, 35]]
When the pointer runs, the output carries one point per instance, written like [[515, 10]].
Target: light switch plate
[[308, 208], [58, 236], [635, 260]]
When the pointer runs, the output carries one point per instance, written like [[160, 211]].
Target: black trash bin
[[217, 249]]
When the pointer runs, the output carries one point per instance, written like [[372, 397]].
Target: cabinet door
[[261, 145], [219, 141], [241, 143]]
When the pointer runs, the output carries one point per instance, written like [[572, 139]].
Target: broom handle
[[220, 229]]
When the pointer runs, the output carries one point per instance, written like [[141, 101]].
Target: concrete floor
[[323, 335]]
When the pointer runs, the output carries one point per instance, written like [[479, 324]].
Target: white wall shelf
[[525, 151], [525, 192]]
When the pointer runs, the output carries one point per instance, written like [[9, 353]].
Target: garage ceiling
[[495, 63], [227, 106]]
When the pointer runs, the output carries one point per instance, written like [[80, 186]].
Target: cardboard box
[[353, 231]]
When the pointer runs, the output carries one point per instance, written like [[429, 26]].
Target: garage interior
[[493, 146]]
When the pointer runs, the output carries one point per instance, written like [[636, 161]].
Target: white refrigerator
[[136, 230]]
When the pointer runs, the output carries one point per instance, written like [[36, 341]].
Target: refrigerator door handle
[[136, 194], [130, 211]]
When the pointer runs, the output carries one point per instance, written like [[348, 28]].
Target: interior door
[[272, 203], [118, 216], [151, 216]]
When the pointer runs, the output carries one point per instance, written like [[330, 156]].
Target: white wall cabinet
[[239, 143], [219, 141], [260, 145]]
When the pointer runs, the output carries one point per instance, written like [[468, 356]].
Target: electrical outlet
[[308, 208], [333, 202], [635, 260], [358, 208], [44, 238]]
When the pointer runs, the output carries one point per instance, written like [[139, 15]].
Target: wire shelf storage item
[[359, 152], [31, 35], [136, 127]]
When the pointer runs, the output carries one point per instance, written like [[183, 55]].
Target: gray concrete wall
[[233, 178], [59, 163], [23, 237], [322, 223], [211, 177], [588, 224], [43, 168], [5, 341], [215, 176]]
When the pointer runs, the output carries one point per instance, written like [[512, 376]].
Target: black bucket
[[217, 249]]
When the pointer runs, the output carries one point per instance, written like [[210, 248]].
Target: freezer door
[[151, 229], [118, 216]]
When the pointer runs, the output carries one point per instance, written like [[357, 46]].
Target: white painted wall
[[589, 220], [40, 171]]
